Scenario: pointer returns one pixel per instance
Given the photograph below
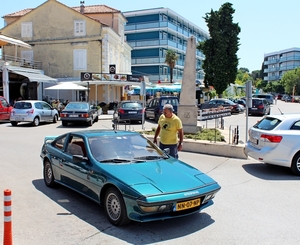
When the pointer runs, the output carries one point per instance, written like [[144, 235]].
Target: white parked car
[[33, 111], [276, 140]]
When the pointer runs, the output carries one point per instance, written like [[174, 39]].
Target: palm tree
[[171, 58]]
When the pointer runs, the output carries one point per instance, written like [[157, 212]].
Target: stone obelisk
[[187, 110]]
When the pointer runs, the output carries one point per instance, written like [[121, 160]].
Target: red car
[[5, 109]]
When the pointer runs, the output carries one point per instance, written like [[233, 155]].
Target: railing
[[17, 61]]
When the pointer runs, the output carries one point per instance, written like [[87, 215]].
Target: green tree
[[171, 58], [291, 80], [220, 63]]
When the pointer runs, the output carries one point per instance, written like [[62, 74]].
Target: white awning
[[67, 86], [6, 40], [31, 74]]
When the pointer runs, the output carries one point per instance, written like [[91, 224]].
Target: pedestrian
[[170, 130]]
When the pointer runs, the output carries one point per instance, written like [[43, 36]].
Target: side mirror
[[79, 158]]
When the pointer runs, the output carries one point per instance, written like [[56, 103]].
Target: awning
[[31, 74], [6, 40], [67, 86]]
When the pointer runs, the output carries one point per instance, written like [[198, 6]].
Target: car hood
[[156, 177]]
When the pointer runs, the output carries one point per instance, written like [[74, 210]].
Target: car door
[[46, 111], [4, 110], [79, 174], [150, 109]]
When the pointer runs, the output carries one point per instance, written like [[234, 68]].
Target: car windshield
[[22, 105], [268, 123], [124, 148]]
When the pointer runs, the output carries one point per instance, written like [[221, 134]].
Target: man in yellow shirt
[[169, 129]]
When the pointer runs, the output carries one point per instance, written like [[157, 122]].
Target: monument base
[[188, 115]]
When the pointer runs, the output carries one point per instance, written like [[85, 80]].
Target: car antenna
[[280, 111]]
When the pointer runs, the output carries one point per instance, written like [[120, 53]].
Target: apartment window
[[79, 59], [26, 29], [79, 28]]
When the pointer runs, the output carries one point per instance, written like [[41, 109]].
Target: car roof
[[30, 101], [103, 132]]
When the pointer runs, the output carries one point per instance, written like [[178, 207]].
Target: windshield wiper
[[151, 157], [116, 160]]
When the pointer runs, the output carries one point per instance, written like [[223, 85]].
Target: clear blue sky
[[266, 25]]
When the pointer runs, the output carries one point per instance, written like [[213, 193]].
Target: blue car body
[[144, 181]]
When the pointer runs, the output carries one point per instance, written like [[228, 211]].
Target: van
[[5, 109], [267, 97], [155, 106]]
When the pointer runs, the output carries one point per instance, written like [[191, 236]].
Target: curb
[[212, 148]]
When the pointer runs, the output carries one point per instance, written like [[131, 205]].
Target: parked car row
[[36, 111]]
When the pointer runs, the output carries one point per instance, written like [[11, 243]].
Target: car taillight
[[30, 111], [63, 115], [85, 115], [121, 111], [271, 138], [143, 110]]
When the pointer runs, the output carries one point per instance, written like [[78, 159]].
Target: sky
[[266, 25]]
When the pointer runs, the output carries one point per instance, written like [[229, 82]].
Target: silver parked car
[[275, 140], [33, 111]]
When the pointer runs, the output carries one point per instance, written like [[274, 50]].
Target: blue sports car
[[127, 174]]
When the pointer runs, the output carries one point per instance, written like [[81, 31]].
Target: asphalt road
[[258, 204]]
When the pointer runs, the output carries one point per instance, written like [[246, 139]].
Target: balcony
[[17, 61]]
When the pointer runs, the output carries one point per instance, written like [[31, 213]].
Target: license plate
[[254, 141], [253, 108], [132, 112], [73, 115], [188, 204]]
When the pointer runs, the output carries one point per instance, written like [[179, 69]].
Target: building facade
[[151, 33], [68, 41], [277, 63]]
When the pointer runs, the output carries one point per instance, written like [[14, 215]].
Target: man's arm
[[180, 136], [157, 131]]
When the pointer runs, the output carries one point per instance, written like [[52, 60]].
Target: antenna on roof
[[280, 111], [82, 2]]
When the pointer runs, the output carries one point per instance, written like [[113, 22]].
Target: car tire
[[64, 123], [55, 118], [96, 119], [36, 121], [115, 208], [13, 123], [269, 112], [296, 164], [48, 174]]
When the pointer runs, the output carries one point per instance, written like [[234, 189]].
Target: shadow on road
[[134, 233], [270, 172]]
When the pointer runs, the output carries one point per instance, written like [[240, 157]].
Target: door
[[46, 111]]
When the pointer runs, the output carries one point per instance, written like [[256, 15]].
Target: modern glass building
[[277, 63], [151, 33]]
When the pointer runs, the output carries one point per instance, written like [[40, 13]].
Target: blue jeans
[[173, 149]]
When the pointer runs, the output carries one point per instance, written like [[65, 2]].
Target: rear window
[[131, 105], [268, 123], [22, 105], [173, 102], [263, 96], [256, 102]]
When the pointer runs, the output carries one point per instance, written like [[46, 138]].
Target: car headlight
[[209, 197]]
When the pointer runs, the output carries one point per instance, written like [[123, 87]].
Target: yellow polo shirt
[[168, 129]]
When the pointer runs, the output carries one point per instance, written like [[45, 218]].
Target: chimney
[[82, 7]]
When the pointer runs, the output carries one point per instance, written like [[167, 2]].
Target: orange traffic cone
[[7, 238]]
